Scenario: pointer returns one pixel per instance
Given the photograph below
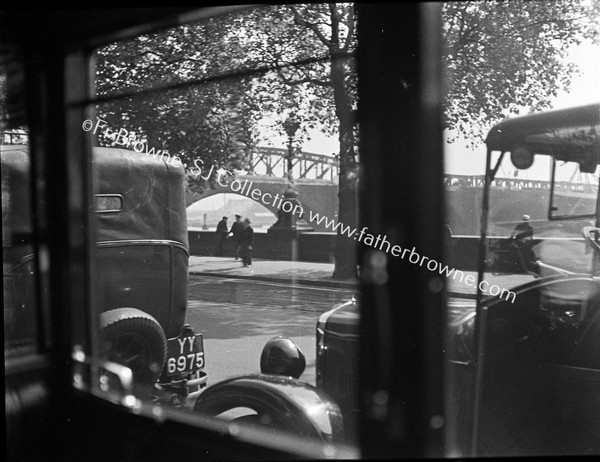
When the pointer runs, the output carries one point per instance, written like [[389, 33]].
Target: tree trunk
[[345, 249]]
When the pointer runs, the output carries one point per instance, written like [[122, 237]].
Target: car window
[[216, 166], [521, 182], [226, 222], [19, 255]]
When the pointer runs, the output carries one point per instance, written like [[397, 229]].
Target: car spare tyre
[[136, 340]]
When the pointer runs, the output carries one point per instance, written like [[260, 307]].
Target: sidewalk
[[319, 274], [296, 272]]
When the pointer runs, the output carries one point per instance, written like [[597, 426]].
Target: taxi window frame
[[63, 157], [81, 99]]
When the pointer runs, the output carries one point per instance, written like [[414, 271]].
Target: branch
[[300, 21], [350, 24], [300, 81], [552, 20], [320, 83]]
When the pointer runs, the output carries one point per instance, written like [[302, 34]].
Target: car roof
[[562, 133], [153, 195], [152, 189]]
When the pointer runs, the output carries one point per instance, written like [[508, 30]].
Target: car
[[537, 381], [141, 273], [523, 371], [337, 338], [140, 276]]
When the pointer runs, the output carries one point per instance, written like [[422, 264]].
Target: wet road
[[238, 316]]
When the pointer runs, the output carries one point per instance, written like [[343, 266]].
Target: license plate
[[185, 353]]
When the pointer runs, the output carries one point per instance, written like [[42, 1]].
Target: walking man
[[247, 241], [221, 236], [235, 233]]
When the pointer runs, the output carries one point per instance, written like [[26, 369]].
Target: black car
[[523, 371], [140, 279]]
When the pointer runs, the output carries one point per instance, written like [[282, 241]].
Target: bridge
[[511, 198], [316, 180], [514, 184], [305, 165]]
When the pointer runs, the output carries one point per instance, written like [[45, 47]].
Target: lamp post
[[288, 220], [291, 126], [284, 233]]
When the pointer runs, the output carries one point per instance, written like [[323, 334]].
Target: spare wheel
[[136, 340]]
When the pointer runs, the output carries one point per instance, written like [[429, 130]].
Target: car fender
[[277, 403]]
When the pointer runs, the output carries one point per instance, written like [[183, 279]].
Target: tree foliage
[[235, 77], [208, 120], [232, 78], [503, 57]]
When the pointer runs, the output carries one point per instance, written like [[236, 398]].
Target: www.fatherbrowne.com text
[[381, 243], [246, 188]]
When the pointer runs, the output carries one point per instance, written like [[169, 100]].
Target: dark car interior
[[47, 418], [117, 350]]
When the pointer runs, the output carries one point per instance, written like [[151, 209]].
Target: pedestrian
[[521, 249], [523, 230], [247, 241], [236, 233], [221, 236]]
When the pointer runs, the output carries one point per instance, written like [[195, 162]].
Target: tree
[[286, 59], [311, 46], [337, 35], [503, 56], [207, 122]]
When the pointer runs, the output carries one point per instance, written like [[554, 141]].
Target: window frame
[[62, 161]]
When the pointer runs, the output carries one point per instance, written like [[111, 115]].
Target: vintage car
[[337, 341], [524, 373], [140, 279], [276, 399], [140, 283]]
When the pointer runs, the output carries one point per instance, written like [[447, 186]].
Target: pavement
[[320, 274], [294, 272]]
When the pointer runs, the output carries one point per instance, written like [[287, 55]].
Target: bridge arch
[[316, 197], [208, 211]]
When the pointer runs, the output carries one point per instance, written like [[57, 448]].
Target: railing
[[14, 137], [514, 184], [272, 162]]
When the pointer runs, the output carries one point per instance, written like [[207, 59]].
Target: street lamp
[[291, 126], [284, 233]]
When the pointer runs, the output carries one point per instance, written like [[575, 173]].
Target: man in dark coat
[[235, 233], [523, 230], [521, 247], [247, 241], [221, 236]]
